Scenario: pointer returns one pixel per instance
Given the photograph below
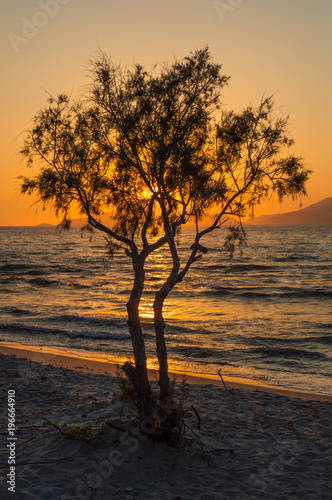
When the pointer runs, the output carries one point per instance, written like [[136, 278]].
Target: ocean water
[[265, 315]]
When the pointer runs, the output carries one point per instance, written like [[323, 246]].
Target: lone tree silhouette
[[154, 150]]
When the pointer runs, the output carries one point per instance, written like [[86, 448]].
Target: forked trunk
[[138, 375], [159, 326], [170, 428]]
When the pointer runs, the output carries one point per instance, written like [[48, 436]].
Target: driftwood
[[198, 417]]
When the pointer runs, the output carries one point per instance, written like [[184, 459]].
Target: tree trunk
[[159, 326], [138, 375]]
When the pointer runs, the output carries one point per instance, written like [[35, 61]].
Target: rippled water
[[265, 315]]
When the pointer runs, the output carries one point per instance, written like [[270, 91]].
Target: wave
[[9, 279], [199, 352], [175, 327], [240, 267], [296, 293], [124, 292], [24, 269], [297, 257], [323, 339], [59, 268], [289, 352], [14, 267], [204, 354], [219, 291], [328, 326], [78, 286], [43, 282], [98, 247], [34, 329], [86, 270], [16, 311], [88, 320], [36, 272], [105, 336]]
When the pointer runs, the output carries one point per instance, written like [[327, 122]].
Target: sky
[[279, 47]]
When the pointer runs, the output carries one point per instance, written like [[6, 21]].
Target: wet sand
[[59, 358]]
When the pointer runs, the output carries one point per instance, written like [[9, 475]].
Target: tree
[[149, 150]]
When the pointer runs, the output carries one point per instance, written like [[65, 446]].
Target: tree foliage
[[156, 151]]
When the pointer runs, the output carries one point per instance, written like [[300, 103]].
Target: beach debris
[[224, 450], [198, 417], [228, 394], [114, 426], [80, 433]]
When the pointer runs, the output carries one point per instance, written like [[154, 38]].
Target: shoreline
[[76, 438], [64, 359]]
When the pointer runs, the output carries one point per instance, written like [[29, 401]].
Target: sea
[[265, 314]]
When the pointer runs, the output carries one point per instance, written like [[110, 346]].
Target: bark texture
[[159, 326], [138, 375]]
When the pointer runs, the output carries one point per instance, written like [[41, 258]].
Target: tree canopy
[[156, 151]]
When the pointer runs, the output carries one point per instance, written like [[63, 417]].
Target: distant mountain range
[[317, 214], [81, 222]]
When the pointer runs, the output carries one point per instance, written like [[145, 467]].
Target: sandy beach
[[258, 444]]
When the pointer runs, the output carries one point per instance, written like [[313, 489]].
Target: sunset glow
[[277, 47], [166, 249]]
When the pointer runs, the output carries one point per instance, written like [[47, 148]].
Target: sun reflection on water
[[146, 308], [157, 269]]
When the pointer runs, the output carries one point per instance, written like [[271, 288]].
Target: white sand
[[265, 446]]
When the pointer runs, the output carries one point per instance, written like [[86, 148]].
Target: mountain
[[44, 224], [78, 223], [104, 219], [317, 214]]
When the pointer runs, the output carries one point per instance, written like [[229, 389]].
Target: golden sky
[[279, 47]]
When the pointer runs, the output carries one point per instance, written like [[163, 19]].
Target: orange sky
[[280, 47]]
